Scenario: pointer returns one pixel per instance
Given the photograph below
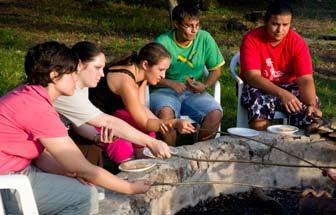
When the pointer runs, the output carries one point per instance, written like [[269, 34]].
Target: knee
[[215, 116], [88, 201], [166, 113]]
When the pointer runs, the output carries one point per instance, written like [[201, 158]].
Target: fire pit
[[175, 176], [276, 202]]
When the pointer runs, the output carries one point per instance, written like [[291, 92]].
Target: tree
[[171, 4]]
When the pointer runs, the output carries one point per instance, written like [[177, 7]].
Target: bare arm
[[67, 154], [105, 135], [86, 131], [308, 94], [291, 102], [199, 87], [127, 132], [130, 95], [47, 163], [214, 75]]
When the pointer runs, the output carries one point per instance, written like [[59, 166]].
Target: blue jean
[[194, 105], [54, 194]]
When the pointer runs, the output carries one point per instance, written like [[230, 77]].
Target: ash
[[275, 202]]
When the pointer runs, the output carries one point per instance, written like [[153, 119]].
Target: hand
[[179, 87], [196, 86], [166, 126], [105, 136], [331, 173], [140, 186], [184, 126], [290, 102], [312, 110], [159, 149]]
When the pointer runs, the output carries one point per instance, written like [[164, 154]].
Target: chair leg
[[2, 208], [21, 183]]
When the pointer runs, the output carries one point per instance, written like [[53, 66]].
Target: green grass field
[[119, 27]]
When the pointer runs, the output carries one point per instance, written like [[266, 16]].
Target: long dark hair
[[44, 58], [86, 51], [152, 52]]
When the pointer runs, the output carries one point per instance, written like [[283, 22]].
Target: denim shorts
[[194, 105]]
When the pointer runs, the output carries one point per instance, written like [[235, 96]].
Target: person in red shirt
[[277, 69]]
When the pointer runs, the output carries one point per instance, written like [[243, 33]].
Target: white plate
[[148, 153], [282, 129], [138, 165], [244, 132]]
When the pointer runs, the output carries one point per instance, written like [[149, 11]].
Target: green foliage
[[119, 27], [326, 91], [333, 30], [11, 69], [9, 38], [228, 98]]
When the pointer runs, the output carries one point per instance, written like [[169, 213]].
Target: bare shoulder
[[117, 81]]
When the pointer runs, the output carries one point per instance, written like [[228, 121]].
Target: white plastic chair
[[216, 95], [242, 118], [20, 183]]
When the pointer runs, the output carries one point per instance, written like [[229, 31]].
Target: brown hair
[[86, 51], [152, 52], [46, 57]]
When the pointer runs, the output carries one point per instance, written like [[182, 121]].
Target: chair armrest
[[233, 68], [217, 92], [216, 87]]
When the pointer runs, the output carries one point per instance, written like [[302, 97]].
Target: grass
[[119, 27]]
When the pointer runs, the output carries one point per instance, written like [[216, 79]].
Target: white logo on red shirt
[[270, 73]]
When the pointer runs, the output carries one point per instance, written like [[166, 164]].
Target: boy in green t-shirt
[[182, 92]]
